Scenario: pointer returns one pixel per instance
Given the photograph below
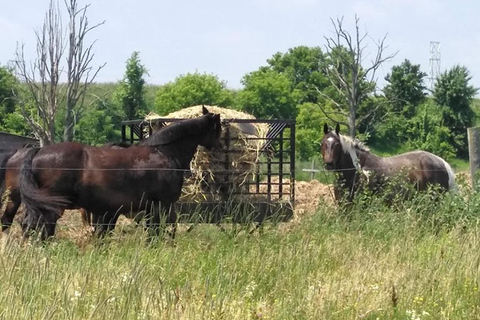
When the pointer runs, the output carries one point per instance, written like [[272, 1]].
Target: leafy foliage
[[131, 94], [310, 120], [268, 94], [426, 132], [414, 121], [453, 91], [100, 124], [11, 119], [405, 89], [192, 89], [288, 87], [304, 67], [8, 85]]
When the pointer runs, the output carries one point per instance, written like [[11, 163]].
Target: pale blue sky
[[232, 38]]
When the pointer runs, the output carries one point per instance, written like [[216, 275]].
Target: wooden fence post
[[474, 152], [312, 170]]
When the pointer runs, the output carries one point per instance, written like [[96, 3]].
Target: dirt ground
[[309, 194]]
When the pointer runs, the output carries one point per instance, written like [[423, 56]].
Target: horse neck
[[368, 160], [182, 150], [346, 170], [347, 163], [348, 176]]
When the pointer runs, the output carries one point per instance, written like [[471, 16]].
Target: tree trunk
[[352, 127], [68, 125]]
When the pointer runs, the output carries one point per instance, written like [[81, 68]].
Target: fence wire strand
[[189, 170]]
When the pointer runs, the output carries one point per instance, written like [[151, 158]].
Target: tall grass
[[419, 260]]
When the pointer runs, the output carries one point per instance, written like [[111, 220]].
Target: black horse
[[356, 166], [108, 182]]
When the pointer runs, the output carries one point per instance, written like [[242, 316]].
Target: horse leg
[[86, 217], [111, 222], [100, 228], [11, 209], [35, 222], [152, 220], [51, 224]]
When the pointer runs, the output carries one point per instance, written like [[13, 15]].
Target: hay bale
[[208, 180]]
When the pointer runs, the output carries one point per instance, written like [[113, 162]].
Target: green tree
[[8, 86], [11, 119], [309, 130], [453, 92], [192, 89], [131, 93], [304, 66], [404, 93], [100, 123], [15, 123], [426, 131], [405, 89], [268, 94], [287, 87]]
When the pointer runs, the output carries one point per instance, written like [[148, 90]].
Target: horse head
[[211, 140], [331, 147]]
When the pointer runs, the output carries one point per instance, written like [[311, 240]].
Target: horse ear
[[216, 119], [337, 128], [325, 128], [204, 110]]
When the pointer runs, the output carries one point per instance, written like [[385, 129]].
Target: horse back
[[423, 168], [124, 166], [116, 178], [136, 157]]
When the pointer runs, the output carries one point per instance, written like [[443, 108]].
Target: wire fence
[[189, 170]]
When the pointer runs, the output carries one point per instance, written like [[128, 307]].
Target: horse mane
[[350, 146], [349, 143], [176, 131]]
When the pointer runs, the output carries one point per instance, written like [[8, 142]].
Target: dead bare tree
[[351, 81], [80, 74], [46, 94], [42, 77]]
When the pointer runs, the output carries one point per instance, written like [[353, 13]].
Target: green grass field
[[418, 260]]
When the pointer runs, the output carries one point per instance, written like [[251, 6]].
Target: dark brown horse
[[356, 166], [108, 182], [10, 162]]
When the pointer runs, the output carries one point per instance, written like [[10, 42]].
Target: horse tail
[[452, 186], [39, 205], [3, 169], [86, 218]]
